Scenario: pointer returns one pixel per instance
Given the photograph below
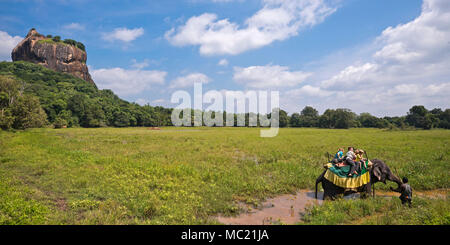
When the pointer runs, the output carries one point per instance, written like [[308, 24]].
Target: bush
[[17, 109], [60, 123], [56, 39], [70, 42], [81, 46]]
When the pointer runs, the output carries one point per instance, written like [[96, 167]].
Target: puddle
[[287, 209], [283, 209]]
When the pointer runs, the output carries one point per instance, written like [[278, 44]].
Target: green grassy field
[[187, 175]]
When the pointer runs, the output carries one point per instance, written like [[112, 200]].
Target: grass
[[185, 175], [380, 211], [50, 41]]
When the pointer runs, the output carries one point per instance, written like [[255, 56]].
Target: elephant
[[379, 172]]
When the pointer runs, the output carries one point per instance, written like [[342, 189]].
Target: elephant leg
[[365, 191], [325, 195]]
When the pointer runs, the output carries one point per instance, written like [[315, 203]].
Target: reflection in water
[[283, 209]]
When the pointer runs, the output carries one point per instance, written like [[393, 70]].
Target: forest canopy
[[34, 96]]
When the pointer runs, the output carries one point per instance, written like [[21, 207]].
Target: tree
[[19, 110], [295, 120], [70, 42], [60, 123], [28, 113], [344, 118], [308, 117], [121, 119], [445, 119], [81, 46], [327, 119], [419, 117], [283, 119], [56, 39], [368, 121]]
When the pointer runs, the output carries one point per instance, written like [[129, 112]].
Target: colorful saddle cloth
[[339, 176]]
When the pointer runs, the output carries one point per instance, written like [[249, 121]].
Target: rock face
[[56, 56]]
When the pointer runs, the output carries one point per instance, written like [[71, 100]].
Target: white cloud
[[127, 82], [351, 75], [189, 80], [141, 101], [276, 21], [123, 34], [158, 101], [139, 65], [421, 90], [7, 44], [223, 62], [269, 76], [74, 26], [309, 90], [407, 64]]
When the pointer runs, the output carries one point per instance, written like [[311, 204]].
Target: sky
[[380, 57]]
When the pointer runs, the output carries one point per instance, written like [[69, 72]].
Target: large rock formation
[[57, 56]]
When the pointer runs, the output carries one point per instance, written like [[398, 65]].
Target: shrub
[[56, 39], [81, 46], [60, 123], [70, 42]]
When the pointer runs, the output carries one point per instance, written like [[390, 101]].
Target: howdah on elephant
[[379, 172]]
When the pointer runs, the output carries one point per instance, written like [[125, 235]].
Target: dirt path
[[287, 209]]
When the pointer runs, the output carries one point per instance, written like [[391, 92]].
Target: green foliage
[[60, 123], [56, 39], [339, 118], [82, 104], [75, 44], [283, 119], [70, 42], [380, 211], [16, 208], [67, 98], [187, 176], [19, 110], [81, 46], [28, 113], [419, 117], [308, 117]]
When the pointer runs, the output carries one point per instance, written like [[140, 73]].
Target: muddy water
[[287, 209], [283, 209]]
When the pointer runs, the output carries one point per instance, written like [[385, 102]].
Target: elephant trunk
[[395, 179]]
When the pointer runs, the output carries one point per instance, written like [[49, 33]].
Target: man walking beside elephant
[[405, 191]]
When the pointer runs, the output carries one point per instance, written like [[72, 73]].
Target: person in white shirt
[[350, 160]]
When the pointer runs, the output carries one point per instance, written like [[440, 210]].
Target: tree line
[[67, 101], [34, 96], [417, 116]]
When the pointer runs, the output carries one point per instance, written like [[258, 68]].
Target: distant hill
[[67, 55], [71, 101]]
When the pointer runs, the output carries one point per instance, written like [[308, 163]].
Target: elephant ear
[[377, 172]]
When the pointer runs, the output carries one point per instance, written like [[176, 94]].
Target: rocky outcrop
[[57, 56]]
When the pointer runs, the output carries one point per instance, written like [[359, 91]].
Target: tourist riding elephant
[[379, 172]]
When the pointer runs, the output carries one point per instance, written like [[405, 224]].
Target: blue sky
[[378, 56]]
